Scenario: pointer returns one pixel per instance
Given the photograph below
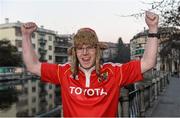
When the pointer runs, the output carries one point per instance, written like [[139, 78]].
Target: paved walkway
[[169, 103]]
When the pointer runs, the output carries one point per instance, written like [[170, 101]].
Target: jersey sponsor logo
[[87, 91]]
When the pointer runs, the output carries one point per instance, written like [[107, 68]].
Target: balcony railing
[[42, 51], [42, 41], [62, 44], [62, 54]]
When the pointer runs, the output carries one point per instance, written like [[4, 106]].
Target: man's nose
[[85, 51]]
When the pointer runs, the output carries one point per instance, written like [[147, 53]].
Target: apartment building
[[61, 44], [137, 45], [110, 53], [116, 54], [49, 46], [168, 51]]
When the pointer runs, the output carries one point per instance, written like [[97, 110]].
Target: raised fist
[[152, 20], [28, 28]]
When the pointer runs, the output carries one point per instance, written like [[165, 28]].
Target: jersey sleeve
[[50, 73], [130, 73]]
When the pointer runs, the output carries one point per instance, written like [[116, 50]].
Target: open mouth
[[86, 60]]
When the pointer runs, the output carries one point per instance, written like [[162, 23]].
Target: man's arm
[[29, 56], [148, 60]]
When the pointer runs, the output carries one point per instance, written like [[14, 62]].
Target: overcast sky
[[67, 16]]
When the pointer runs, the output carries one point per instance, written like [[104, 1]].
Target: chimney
[[18, 21], [6, 20], [144, 29], [42, 26]]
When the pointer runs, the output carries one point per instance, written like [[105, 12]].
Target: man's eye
[[90, 47], [79, 48]]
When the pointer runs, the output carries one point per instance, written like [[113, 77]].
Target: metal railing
[[53, 113], [137, 103], [10, 70]]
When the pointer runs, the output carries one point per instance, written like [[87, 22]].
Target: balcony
[[42, 33], [42, 41], [61, 59], [62, 44], [42, 51], [139, 51], [62, 54]]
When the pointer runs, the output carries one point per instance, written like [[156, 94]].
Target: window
[[18, 31], [33, 89], [50, 38], [50, 47], [50, 86], [18, 43], [33, 35], [33, 99], [50, 57], [50, 96], [25, 90]]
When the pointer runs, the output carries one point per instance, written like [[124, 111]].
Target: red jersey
[[88, 95]]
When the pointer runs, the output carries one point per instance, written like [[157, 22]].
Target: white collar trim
[[87, 73]]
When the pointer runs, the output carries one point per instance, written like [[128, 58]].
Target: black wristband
[[152, 35]]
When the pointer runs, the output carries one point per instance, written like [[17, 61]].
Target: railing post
[[158, 85], [124, 100], [142, 102], [119, 108], [155, 88], [167, 79], [152, 92], [61, 112], [150, 95], [164, 79], [161, 84]]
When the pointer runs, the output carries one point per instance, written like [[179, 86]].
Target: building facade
[[169, 50], [48, 45], [137, 45], [168, 58], [110, 53], [61, 45]]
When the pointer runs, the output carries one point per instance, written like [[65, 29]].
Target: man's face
[[86, 55]]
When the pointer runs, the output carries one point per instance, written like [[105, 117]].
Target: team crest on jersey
[[76, 77], [103, 77]]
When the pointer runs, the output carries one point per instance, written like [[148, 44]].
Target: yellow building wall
[[8, 34]]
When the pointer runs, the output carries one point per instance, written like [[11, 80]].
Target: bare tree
[[169, 11]]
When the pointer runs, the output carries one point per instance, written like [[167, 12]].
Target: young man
[[88, 88]]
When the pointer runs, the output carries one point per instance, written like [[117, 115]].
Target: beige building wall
[[137, 45], [50, 96], [9, 34], [11, 31], [50, 47]]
